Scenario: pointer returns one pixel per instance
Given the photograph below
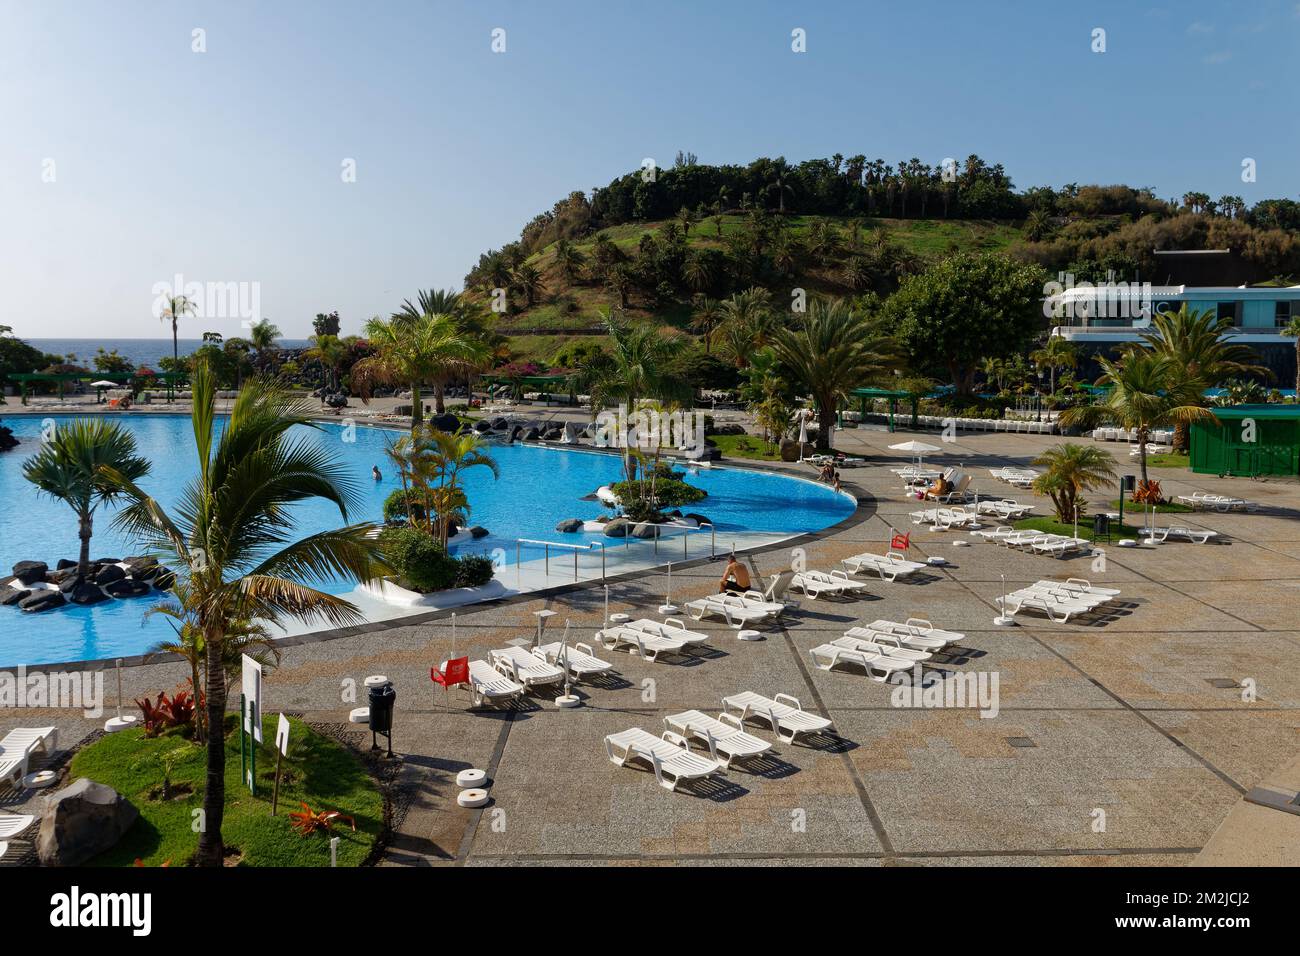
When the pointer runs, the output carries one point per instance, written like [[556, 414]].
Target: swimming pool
[[538, 487]]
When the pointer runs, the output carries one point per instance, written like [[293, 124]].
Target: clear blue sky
[[225, 166]]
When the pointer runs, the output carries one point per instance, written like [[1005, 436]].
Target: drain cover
[[1221, 682], [1021, 742]]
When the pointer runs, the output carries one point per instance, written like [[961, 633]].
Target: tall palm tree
[[569, 259], [264, 336], [1070, 470], [330, 351], [231, 541], [471, 318], [1292, 328], [746, 321], [833, 352], [705, 319], [527, 280], [414, 351], [635, 367], [177, 306], [1056, 353], [1147, 391], [68, 469], [449, 456], [1197, 345]]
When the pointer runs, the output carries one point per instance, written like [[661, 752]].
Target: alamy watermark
[[64, 690], [1064, 298], [239, 301], [650, 430], [971, 689]]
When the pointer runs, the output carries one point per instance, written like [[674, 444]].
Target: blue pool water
[[537, 488]]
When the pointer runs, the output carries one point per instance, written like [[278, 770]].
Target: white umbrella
[[803, 430], [104, 383], [917, 448]]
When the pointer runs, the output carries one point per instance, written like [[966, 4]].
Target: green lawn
[[746, 446], [318, 770], [1049, 525], [1167, 460], [1169, 507]]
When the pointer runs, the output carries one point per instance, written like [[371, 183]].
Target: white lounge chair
[[848, 650], [1195, 535], [778, 587], [783, 713], [1201, 500], [1005, 508], [882, 642], [579, 659], [488, 686], [890, 566], [525, 668], [669, 756], [1058, 608], [12, 824], [650, 639], [997, 534], [1083, 586], [1060, 545], [958, 492], [732, 607], [17, 748], [725, 735], [916, 632], [817, 584]]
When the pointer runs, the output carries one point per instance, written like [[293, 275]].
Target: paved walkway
[[1127, 738]]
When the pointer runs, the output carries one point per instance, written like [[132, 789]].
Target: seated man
[[735, 578], [941, 486]]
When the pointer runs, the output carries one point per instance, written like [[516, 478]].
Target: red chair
[[900, 542], [457, 672]]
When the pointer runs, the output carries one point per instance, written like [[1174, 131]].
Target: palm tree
[[177, 306], [331, 353], [1147, 391], [449, 456], [746, 320], [1292, 328], [242, 637], [470, 318], [1071, 470], [780, 183], [1056, 353], [706, 318], [1038, 225], [230, 540], [568, 258], [528, 281], [69, 466], [413, 351], [834, 352], [264, 335], [685, 219], [698, 271], [635, 367], [1196, 344]]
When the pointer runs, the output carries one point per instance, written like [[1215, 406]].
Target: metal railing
[[590, 546]]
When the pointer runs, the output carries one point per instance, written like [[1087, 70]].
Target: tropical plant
[[1056, 353], [69, 468], [706, 318], [835, 351], [1070, 470], [429, 463], [1146, 391], [746, 322], [1200, 353], [230, 540], [416, 350], [568, 258], [176, 307], [1292, 329], [1240, 391], [332, 355], [264, 335]]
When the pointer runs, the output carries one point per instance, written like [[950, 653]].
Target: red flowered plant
[[306, 821], [174, 711]]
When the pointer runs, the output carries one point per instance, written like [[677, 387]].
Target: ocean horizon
[[139, 352]]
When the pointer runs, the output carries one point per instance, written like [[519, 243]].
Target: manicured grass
[[1169, 507], [1167, 460], [746, 446], [1049, 525], [318, 771]]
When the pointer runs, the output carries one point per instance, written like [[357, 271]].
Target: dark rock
[[65, 563], [7, 440], [790, 450], [87, 593], [643, 529], [81, 821], [445, 423], [43, 600], [30, 572], [142, 569], [478, 531], [569, 525], [103, 561], [617, 528], [532, 434], [127, 588], [108, 574], [498, 423], [481, 426], [13, 596], [699, 518], [69, 583], [61, 575]]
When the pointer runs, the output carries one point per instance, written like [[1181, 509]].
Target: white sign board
[[252, 690], [282, 735]]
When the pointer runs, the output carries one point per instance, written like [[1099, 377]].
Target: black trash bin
[[381, 715], [1101, 527]]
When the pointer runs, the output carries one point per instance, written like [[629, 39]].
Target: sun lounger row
[[670, 756], [1204, 501], [945, 519], [1195, 535], [1020, 477], [1005, 508], [1058, 600], [1038, 542], [650, 639], [739, 610], [817, 584], [17, 748], [1158, 436]]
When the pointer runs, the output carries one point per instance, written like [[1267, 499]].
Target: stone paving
[[1133, 756]]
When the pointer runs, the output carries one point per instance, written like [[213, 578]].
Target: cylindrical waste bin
[[381, 714], [1101, 526]]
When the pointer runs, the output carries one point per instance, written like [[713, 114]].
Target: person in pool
[[375, 473], [735, 578]]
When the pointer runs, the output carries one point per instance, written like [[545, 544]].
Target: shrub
[[669, 492], [421, 563], [395, 507], [473, 571]]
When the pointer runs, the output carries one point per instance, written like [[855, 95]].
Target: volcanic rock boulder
[[617, 528], [81, 821], [43, 600], [30, 572], [569, 525]]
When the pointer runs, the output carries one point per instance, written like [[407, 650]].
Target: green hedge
[[423, 564]]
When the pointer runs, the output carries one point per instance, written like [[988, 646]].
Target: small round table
[[748, 635]]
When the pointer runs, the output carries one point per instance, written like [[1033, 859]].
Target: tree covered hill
[[665, 246]]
